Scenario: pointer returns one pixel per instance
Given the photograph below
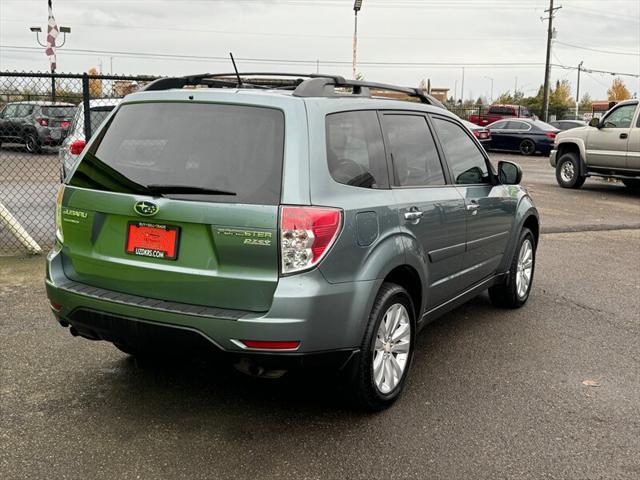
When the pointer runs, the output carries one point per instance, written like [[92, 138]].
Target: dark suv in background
[[35, 124]]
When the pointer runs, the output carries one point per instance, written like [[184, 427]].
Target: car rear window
[[223, 153], [63, 111]]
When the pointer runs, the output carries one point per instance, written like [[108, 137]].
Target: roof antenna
[[236, 69]]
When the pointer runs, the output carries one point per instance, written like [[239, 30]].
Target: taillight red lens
[[476, 133], [306, 234], [271, 345], [43, 121], [76, 147], [550, 135], [65, 124]]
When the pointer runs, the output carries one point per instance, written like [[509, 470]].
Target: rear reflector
[[271, 345], [56, 306], [306, 234]]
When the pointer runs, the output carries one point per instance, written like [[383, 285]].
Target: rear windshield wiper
[[186, 189]]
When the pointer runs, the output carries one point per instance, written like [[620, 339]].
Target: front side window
[[355, 149], [413, 151], [621, 117], [188, 151], [467, 163]]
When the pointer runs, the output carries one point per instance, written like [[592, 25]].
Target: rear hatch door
[[179, 201]]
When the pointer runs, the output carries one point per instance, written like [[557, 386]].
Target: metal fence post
[[86, 106]]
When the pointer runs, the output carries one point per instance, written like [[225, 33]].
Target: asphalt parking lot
[[547, 391]]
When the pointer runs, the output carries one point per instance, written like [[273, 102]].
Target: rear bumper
[[327, 319]]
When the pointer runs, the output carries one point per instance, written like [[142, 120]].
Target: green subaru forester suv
[[285, 221]]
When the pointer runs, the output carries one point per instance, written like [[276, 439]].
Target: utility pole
[[578, 88], [455, 91], [515, 89], [547, 68], [462, 88], [357, 6]]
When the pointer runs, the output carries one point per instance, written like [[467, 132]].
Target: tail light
[[43, 121], [550, 135], [76, 147], [65, 124], [59, 234], [476, 133], [306, 234]]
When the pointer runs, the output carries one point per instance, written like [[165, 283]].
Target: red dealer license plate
[[152, 240]]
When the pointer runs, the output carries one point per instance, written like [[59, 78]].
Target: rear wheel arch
[[532, 223], [408, 278]]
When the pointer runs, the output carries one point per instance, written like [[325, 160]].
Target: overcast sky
[[406, 35]]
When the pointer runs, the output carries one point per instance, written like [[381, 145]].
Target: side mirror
[[594, 122], [509, 173]]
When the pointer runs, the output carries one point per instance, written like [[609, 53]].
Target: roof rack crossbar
[[167, 83]]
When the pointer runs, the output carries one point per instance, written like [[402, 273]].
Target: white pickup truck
[[607, 147]]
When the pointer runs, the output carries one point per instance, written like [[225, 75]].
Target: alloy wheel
[[392, 348], [527, 147], [524, 269]]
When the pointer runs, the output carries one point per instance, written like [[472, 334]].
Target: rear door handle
[[473, 208], [413, 215], [624, 135]]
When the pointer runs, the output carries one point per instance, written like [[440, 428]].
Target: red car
[[498, 112]]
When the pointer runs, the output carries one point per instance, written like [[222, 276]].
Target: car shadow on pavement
[[205, 389]]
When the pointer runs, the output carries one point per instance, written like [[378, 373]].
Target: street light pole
[[490, 96], [357, 6], [578, 88], [64, 31]]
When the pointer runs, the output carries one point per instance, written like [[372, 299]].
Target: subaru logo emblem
[[146, 209]]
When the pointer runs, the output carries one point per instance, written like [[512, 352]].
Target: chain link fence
[[45, 120]]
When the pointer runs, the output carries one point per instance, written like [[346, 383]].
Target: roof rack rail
[[325, 87], [303, 84]]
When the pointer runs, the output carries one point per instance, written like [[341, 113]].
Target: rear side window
[[413, 151], [191, 151], [62, 111], [355, 149], [467, 163]]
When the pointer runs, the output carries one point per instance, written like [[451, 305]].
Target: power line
[[380, 63], [598, 50]]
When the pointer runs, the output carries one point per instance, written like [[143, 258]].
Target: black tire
[[365, 393], [527, 147], [32, 143], [632, 183], [506, 294], [568, 171]]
